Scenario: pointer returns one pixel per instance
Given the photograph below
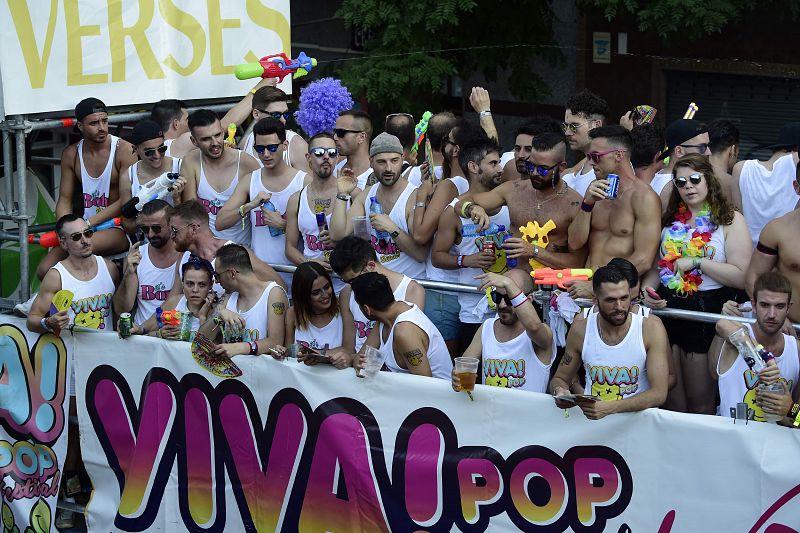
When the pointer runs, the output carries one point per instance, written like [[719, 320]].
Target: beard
[[507, 317], [157, 242], [388, 179], [617, 318], [541, 184], [324, 172]]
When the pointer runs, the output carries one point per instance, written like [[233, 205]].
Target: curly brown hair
[[721, 209]]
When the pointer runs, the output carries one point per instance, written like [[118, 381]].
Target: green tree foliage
[[414, 48]]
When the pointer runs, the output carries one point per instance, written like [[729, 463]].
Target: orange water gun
[[549, 276], [171, 317], [50, 239]]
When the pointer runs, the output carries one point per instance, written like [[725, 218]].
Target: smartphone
[[652, 293]]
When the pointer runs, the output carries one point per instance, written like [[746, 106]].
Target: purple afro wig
[[321, 102]]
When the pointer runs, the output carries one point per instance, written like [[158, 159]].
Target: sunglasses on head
[[146, 229], [497, 297], [78, 234], [541, 170], [150, 152], [341, 132], [261, 148], [320, 152], [681, 182], [702, 147]]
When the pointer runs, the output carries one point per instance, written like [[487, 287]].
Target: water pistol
[[549, 276], [171, 317], [156, 189], [420, 130], [50, 239], [276, 66], [230, 140], [692, 109], [643, 114]]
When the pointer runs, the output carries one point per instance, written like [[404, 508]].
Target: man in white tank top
[[517, 349], [354, 256], [625, 355], [149, 271], [261, 305], [274, 183], [148, 141], [584, 112], [90, 169], [772, 298], [395, 247], [213, 171], [762, 190], [409, 339], [273, 102], [352, 134]]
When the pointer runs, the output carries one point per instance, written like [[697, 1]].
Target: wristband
[[519, 299], [343, 196], [587, 207], [794, 410], [253, 91], [460, 261], [45, 325], [486, 113], [464, 208], [253, 347]]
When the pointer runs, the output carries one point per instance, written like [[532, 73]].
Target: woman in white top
[[314, 320], [704, 253]]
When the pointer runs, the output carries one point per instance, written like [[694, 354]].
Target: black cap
[[87, 106], [788, 137], [144, 131], [681, 131]]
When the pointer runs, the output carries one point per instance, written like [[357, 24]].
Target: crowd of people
[[664, 218]]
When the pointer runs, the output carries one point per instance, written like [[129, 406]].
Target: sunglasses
[[78, 234], [497, 298], [150, 152], [570, 128], [218, 274], [261, 148], [277, 115], [341, 132], [174, 231], [702, 147], [146, 229], [541, 170], [594, 157], [681, 181], [320, 152]]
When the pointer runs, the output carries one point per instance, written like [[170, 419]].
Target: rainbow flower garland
[[684, 241]]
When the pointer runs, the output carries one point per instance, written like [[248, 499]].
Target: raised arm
[[341, 224], [239, 113], [481, 103], [426, 219], [125, 295]]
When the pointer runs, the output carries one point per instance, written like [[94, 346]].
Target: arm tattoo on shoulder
[[414, 357], [278, 308], [566, 360]]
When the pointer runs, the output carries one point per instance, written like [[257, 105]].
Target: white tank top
[[739, 383], [475, 307], [414, 175], [766, 195], [364, 326], [714, 250], [390, 255], [168, 144], [580, 182], [91, 301], [256, 319], [271, 249], [643, 310], [213, 201], [183, 307], [314, 337], [619, 371], [441, 274], [361, 179], [660, 180], [96, 190], [133, 175], [514, 363], [250, 141], [154, 285], [313, 248], [438, 355]]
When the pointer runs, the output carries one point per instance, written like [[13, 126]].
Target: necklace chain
[[556, 195]]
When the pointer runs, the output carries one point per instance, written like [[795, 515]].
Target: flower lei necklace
[[682, 240]]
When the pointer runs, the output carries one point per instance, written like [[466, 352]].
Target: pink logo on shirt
[[314, 244], [94, 200], [212, 206], [149, 293]]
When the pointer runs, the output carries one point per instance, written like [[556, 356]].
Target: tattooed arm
[[566, 371], [410, 349]]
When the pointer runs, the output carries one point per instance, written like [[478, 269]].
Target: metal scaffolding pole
[[8, 172], [22, 220]]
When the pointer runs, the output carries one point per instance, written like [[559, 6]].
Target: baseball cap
[[87, 106], [681, 131]]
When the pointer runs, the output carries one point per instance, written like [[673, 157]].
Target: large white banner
[[54, 53], [285, 447], [33, 425]]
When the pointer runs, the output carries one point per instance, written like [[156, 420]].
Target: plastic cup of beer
[[373, 362], [467, 372], [361, 227]]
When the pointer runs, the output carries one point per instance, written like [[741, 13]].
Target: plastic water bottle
[[471, 230], [186, 325], [376, 208], [756, 357], [269, 206]]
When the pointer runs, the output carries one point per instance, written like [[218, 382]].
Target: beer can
[[488, 245], [125, 324], [321, 222], [613, 185]]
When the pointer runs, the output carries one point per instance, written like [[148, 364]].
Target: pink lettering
[[387, 247], [314, 244], [212, 207], [149, 293], [94, 201]]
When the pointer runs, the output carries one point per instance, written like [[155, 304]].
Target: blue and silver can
[[321, 221], [613, 185]]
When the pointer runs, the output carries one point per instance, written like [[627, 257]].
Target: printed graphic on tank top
[[213, 201], [315, 337], [96, 190], [442, 274], [766, 195], [389, 254], [739, 383], [133, 176], [513, 364], [364, 326], [154, 285], [618, 371], [361, 179], [249, 142], [256, 319], [438, 355], [578, 181], [91, 301]]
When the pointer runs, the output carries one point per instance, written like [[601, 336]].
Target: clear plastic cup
[[467, 371], [361, 227], [373, 362]]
